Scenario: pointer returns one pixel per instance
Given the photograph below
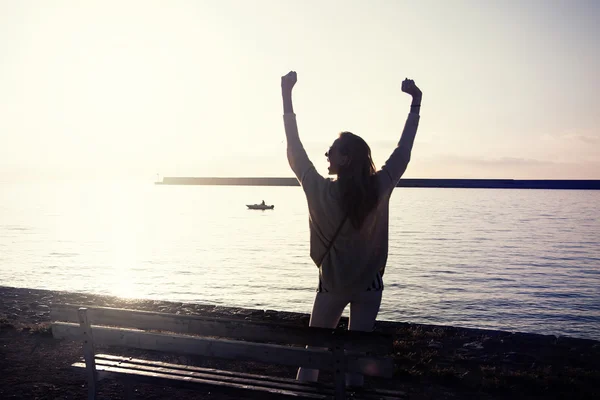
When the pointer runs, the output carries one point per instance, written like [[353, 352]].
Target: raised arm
[[301, 165], [395, 166]]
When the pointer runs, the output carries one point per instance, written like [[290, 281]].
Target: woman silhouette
[[348, 219]]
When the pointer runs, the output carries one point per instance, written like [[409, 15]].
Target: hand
[[408, 86], [288, 81]]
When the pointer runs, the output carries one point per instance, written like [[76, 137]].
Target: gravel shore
[[432, 362]]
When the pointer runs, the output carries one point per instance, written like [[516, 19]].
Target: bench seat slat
[[371, 342], [192, 382], [109, 357], [124, 366], [378, 393], [208, 375]]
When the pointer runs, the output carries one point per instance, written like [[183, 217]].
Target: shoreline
[[431, 361], [45, 297]]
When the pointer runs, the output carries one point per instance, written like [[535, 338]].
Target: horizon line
[[479, 183]]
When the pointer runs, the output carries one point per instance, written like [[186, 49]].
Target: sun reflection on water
[[124, 209]]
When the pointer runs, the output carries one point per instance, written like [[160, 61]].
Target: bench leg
[[88, 352], [339, 371], [91, 392]]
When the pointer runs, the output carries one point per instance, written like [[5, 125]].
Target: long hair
[[357, 180]]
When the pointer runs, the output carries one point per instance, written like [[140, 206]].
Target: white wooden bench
[[225, 339]]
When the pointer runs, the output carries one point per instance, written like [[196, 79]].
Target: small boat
[[260, 206]]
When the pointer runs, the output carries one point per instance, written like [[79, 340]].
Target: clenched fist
[[288, 81], [408, 86]]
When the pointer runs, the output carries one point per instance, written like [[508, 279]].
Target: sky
[[146, 89]]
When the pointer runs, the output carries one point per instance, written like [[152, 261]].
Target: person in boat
[[348, 219], [263, 203]]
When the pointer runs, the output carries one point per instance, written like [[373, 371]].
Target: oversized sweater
[[357, 255]]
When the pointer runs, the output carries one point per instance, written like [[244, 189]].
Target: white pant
[[326, 313]]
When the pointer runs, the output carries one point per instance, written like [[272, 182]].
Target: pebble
[[473, 346]]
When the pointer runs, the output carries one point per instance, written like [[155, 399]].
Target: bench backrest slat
[[374, 343], [223, 348]]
